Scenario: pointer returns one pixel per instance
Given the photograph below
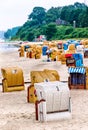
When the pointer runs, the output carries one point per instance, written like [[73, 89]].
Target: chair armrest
[[40, 109]]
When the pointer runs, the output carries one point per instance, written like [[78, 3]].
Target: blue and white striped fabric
[[76, 70]]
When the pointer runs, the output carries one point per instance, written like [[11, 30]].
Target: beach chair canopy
[[76, 70]]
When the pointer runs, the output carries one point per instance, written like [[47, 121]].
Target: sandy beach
[[17, 114]]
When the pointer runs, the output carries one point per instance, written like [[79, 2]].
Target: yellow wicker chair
[[13, 79]]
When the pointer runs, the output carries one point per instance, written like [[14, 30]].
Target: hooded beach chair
[[13, 79], [53, 101], [38, 77]]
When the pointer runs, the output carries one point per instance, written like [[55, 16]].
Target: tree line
[[56, 23]]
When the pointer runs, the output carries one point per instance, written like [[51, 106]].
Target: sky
[[15, 13]]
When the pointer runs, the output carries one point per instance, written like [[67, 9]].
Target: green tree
[[72, 12], [40, 23], [64, 13], [51, 31], [7, 34], [11, 32], [52, 14], [30, 36], [38, 14], [83, 18]]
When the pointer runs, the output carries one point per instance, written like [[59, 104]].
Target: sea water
[[7, 47]]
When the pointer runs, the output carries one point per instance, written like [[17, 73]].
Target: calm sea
[[5, 47]]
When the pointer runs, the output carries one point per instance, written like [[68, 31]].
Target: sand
[[17, 114]]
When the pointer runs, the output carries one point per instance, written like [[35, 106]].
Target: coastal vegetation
[[56, 23]]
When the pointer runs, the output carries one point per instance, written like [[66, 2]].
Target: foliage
[[11, 32], [52, 15], [84, 18], [42, 22], [50, 31], [38, 14]]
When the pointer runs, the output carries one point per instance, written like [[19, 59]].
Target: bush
[[68, 30]]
